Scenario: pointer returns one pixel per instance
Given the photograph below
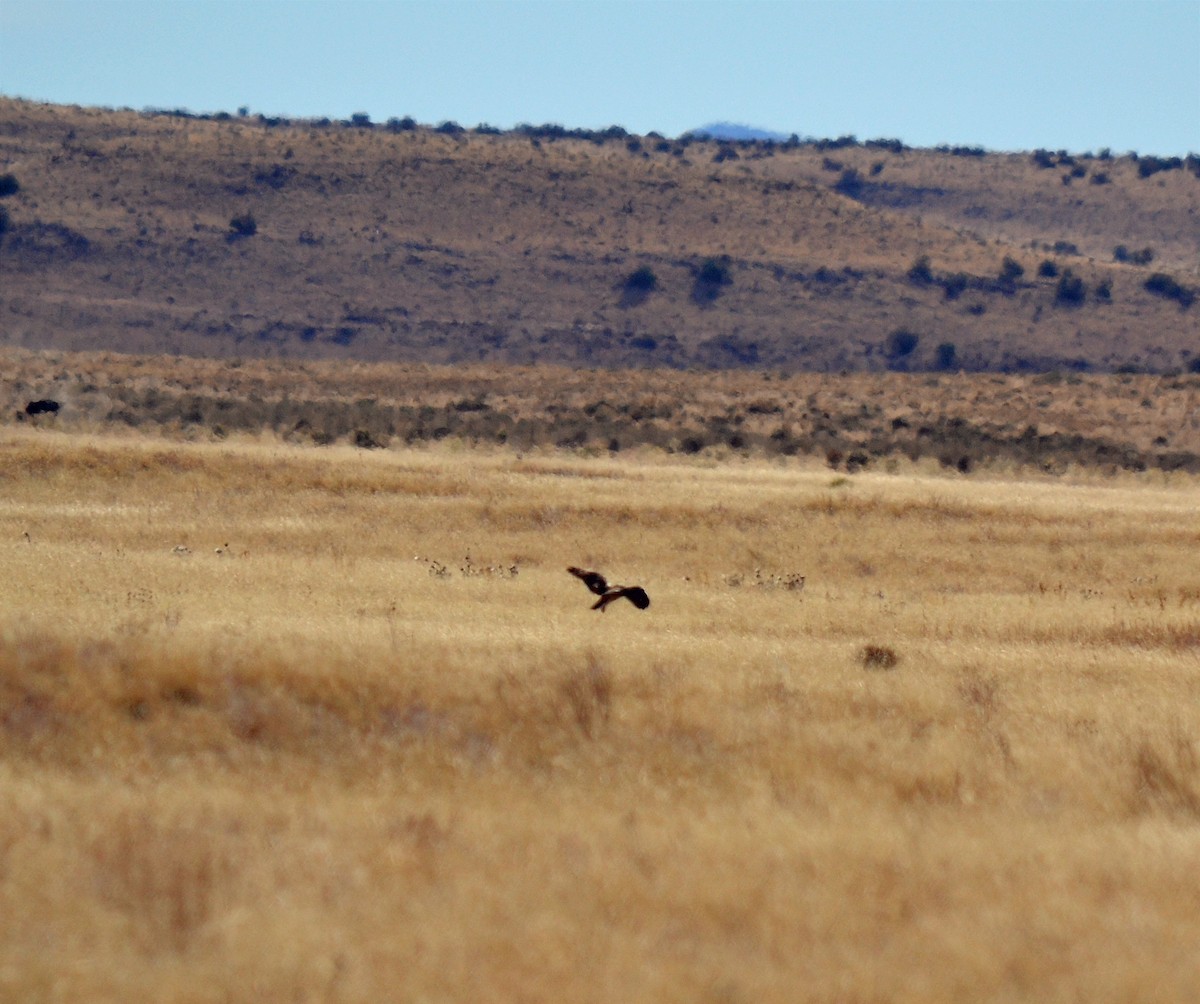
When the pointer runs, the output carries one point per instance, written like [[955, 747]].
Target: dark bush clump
[[642, 280], [1071, 290], [1161, 284], [921, 273], [712, 275], [899, 345], [955, 285], [1122, 254], [850, 184], [1048, 269], [9, 185], [242, 226], [1011, 270], [947, 355]]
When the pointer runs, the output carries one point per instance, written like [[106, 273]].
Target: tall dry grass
[[338, 751]]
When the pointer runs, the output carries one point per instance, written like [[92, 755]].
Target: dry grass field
[[294, 724]]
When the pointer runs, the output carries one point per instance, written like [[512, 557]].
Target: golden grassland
[[339, 750]]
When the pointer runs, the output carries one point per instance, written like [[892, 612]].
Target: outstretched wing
[[637, 596], [634, 594], [593, 580]]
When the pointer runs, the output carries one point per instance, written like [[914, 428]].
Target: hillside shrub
[[920, 272], [642, 280], [1143, 257], [1011, 270], [711, 277], [1148, 166], [4, 221], [9, 185], [1071, 290], [1048, 269], [899, 345], [406, 124], [947, 356], [1161, 284], [361, 120], [850, 184], [955, 285], [242, 226]]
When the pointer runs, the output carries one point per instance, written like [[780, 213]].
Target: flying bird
[[598, 584]]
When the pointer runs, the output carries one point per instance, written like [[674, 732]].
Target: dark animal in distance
[[44, 407], [598, 584]]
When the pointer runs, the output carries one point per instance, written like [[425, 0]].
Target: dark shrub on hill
[[642, 280], [899, 345], [955, 285], [1071, 290], [406, 124], [947, 355], [712, 275], [920, 272], [9, 185], [850, 184], [242, 226], [1161, 284], [1048, 269], [1148, 166], [1122, 254]]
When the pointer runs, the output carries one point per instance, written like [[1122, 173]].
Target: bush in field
[[947, 356], [1143, 257], [955, 285], [1161, 284], [1011, 270], [242, 226], [9, 185], [638, 285], [899, 345], [1071, 290], [850, 184], [642, 280], [711, 277], [920, 272]]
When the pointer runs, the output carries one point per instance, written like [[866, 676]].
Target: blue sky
[[1005, 74]]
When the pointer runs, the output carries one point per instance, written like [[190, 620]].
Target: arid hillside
[[247, 237]]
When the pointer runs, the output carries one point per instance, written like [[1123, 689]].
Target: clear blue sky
[[1005, 74]]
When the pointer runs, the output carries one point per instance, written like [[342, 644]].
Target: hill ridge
[[202, 236]]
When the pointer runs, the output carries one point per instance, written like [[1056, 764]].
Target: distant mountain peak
[[737, 131]]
